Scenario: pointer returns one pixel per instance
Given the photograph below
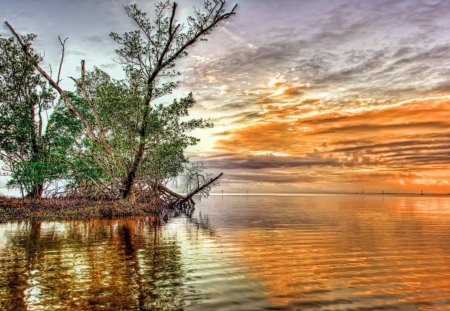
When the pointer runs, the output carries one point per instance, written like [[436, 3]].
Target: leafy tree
[[133, 139], [112, 108], [33, 141]]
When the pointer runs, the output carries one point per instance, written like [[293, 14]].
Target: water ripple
[[238, 253]]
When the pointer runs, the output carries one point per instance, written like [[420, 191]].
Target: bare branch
[[63, 46], [205, 185], [200, 32], [172, 33]]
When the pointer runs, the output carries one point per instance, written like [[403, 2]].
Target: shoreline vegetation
[[26, 209], [29, 209], [167, 204], [113, 143]]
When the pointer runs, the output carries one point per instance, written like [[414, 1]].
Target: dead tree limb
[[175, 202], [163, 188], [201, 188], [63, 48]]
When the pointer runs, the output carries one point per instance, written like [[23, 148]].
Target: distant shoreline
[[334, 194]]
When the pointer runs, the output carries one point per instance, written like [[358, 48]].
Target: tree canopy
[[121, 135], [36, 132]]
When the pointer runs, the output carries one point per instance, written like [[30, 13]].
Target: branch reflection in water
[[238, 253], [117, 264]]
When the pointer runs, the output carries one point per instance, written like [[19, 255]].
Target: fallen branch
[[163, 188], [201, 188], [178, 198]]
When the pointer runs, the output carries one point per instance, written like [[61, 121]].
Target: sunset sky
[[306, 96]]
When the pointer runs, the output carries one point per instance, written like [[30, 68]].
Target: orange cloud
[[388, 138]]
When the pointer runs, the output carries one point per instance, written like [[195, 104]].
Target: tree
[[134, 139], [113, 106], [32, 143]]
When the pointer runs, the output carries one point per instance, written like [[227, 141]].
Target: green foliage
[[35, 133], [109, 134], [169, 136], [117, 106]]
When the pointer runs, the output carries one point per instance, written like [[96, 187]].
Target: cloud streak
[[321, 96]]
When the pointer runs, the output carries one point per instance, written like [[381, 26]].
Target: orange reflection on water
[[357, 254], [289, 253]]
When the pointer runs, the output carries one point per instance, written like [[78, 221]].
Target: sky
[[306, 96]]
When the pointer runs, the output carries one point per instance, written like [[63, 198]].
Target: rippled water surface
[[238, 253]]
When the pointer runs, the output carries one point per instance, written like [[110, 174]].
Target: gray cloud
[[352, 49], [267, 162], [269, 178], [373, 48]]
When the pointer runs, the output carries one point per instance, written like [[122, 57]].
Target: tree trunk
[[38, 188], [128, 191], [37, 192]]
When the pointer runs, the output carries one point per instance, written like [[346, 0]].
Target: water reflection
[[344, 253], [119, 264], [238, 253]]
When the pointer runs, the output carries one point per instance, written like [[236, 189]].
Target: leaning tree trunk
[[128, 191], [129, 181]]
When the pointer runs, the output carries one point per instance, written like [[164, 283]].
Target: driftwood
[[201, 188], [180, 203]]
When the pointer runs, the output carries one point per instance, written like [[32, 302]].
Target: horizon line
[[330, 193]]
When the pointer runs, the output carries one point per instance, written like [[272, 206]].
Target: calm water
[[238, 253]]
